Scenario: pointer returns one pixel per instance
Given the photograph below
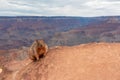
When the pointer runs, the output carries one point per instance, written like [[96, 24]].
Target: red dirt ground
[[93, 61]]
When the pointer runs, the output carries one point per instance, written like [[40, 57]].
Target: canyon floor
[[92, 61]]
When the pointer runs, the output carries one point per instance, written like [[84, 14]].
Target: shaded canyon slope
[[22, 31], [106, 31], [93, 61]]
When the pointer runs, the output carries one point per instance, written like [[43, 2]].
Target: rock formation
[[93, 61]]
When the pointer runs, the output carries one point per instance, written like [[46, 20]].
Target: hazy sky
[[59, 7]]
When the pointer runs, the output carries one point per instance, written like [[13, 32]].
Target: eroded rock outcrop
[[94, 61]]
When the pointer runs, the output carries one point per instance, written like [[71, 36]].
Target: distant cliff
[[22, 31]]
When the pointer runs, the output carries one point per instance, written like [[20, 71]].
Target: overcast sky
[[59, 7]]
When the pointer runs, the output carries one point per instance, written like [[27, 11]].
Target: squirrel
[[37, 50]]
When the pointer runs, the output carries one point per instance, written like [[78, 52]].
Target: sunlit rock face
[[93, 61]]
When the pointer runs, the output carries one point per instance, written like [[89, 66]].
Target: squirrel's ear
[[36, 41], [42, 40]]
